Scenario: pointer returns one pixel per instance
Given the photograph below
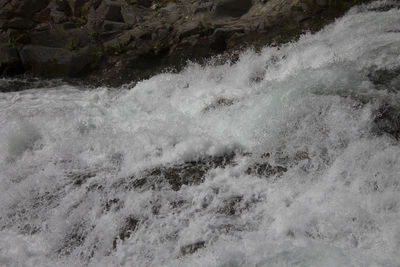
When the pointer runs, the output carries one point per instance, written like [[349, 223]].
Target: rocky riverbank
[[115, 41]]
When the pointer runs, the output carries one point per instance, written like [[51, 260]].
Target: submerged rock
[[126, 229], [266, 170], [387, 121], [192, 248], [386, 79], [177, 175]]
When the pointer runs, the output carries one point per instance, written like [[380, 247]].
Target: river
[[288, 156]]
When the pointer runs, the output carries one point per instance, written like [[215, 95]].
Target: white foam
[[310, 105]]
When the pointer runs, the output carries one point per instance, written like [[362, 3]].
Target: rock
[[148, 36], [77, 6], [131, 15], [202, 7], [189, 29], [322, 2], [70, 25], [220, 103], [74, 237], [192, 248], [113, 13], [231, 206], [232, 8], [51, 62], [42, 27], [265, 170], [129, 226], [114, 26], [387, 120], [61, 38], [386, 79], [27, 8], [144, 3], [59, 11], [3, 3], [19, 23], [3, 25], [9, 61], [178, 175]]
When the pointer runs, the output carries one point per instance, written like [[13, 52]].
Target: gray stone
[[113, 13], [64, 7], [69, 25], [232, 8], [171, 7], [150, 39], [9, 60], [42, 27], [8, 55], [132, 14], [27, 8], [144, 3], [114, 26], [201, 7], [20, 24], [322, 2], [49, 61], [189, 29]]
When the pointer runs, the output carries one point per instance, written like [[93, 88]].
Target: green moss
[[162, 45], [118, 50], [128, 40], [99, 51], [158, 45], [72, 44], [11, 43], [121, 46]]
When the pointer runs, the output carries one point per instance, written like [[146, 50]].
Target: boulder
[[202, 7], [27, 8], [114, 26], [232, 8], [19, 24], [9, 61], [76, 6], [132, 15], [63, 6], [53, 62], [144, 3], [113, 13]]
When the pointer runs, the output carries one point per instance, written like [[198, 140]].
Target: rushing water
[[287, 157]]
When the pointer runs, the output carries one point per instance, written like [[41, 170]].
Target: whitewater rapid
[[289, 156]]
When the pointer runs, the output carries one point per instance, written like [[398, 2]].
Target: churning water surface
[[287, 157]]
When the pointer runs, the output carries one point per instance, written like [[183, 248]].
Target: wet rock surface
[[9, 61], [186, 173], [119, 41]]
